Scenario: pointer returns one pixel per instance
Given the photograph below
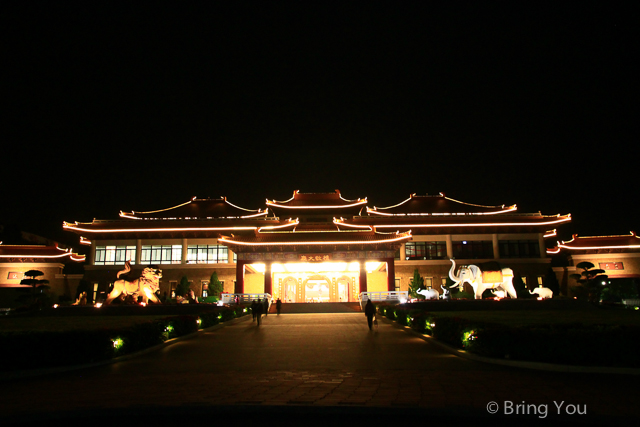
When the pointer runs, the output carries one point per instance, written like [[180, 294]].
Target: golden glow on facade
[[399, 237], [316, 267]]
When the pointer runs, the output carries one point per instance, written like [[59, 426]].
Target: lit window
[[425, 250], [207, 254], [161, 254], [111, 255]]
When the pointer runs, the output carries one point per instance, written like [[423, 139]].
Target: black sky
[[142, 105]]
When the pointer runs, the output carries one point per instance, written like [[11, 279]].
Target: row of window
[[162, 254], [472, 249], [215, 254]]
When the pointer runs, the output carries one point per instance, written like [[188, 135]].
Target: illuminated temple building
[[316, 246]]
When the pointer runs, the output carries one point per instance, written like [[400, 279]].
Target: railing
[[244, 298], [390, 296]]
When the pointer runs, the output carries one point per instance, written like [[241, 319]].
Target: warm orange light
[[341, 222], [550, 233], [127, 230], [65, 252], [358, 203], [488, 224], [377, 212], [275, 203], [194, 198], [276, 227], [400, 236], [578, 248]]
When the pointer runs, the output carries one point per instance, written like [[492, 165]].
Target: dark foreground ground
[[314, 369]]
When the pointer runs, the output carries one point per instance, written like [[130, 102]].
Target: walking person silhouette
[[259, 310], [370, 312]]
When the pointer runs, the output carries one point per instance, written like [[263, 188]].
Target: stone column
[[363, 276], [92, 253], [543, 248], [138, 251], [449, 246], [183, 261], [496, 246], [268, 279], [391, 275], [403, 252], [239, 289]]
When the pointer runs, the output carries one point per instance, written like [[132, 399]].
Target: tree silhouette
[[38, 287], [215, 286], [183, 287], [416, 284], [593, 279]]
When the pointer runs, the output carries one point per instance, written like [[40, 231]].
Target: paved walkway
[[318, 367]]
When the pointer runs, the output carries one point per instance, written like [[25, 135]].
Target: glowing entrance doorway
[[316, 282]]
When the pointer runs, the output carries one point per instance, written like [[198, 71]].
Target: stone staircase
[[318, 307]]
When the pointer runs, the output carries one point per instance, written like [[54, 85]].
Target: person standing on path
[[278, 306], [370, 312], [259, 309], [253, 309], [266, 307]]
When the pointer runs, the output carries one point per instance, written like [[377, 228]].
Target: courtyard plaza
[[315, 368]]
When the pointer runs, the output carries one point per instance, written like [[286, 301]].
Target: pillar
[[543, 246], [92, 253], [268, 279], [496, 246], [184, 251], [391, 275], [239, 277], [363, 276], [138, 251], [449, 246]]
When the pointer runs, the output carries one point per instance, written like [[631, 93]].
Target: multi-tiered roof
[[599, 244], [317, 221]]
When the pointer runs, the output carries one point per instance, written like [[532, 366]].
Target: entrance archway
[[317, 288]]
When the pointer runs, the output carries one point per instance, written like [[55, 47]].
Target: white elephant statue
[[473, 275], [429, 293], [542, 292]]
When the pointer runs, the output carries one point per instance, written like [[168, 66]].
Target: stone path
[[317, 366]]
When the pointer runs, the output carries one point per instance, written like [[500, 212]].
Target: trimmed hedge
[[46, 349], [570, 343]]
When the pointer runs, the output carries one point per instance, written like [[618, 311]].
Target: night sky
[[113, 106]]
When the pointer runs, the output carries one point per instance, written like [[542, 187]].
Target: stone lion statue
[[145, 286]]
